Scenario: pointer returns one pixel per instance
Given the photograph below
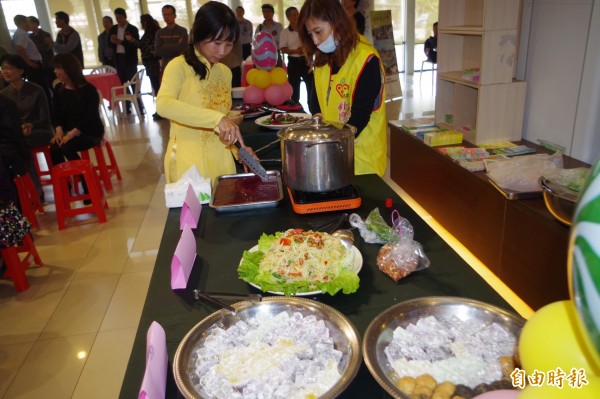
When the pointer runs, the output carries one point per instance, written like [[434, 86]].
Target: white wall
[[560, 60]]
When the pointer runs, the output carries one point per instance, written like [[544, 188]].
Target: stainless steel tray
[[345, 336], [244, 191], [380, 331], [516, 195]]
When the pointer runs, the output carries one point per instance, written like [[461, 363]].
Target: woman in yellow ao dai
[[195, 95]]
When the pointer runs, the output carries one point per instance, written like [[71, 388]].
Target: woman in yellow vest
[[349, 79], [195, 95]]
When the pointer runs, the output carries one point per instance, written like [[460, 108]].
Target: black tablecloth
[[221, 239]]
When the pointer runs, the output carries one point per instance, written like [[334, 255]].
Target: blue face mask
[[329, 45]]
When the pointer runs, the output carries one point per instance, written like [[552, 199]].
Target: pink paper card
[[183, 259], [190, 212], [155, 377]]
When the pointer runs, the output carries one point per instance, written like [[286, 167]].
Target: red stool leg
[[102, 167], [30, 202], [113, 167], [96, 195], [14, 268], [44, 175], [61, 197], [61, 174], [29, 246]]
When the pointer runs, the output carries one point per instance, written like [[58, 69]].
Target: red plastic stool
[[44, 175], [15, 267], [29, 199], [61, 176], [104, 170]]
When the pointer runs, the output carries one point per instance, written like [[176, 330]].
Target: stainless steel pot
[[317, 156]]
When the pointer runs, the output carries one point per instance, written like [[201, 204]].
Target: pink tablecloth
[[104, 82]]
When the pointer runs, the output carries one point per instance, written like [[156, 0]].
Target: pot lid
[[316, 129]]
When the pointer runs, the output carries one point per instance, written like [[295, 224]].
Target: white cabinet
[[479, 34]]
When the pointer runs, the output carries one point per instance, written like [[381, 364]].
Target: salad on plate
[[298, 261]]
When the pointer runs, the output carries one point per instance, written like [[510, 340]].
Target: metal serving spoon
[[346, 236]]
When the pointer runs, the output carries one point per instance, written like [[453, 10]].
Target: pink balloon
[[254, 95], [499, 394], [275, 95], [288, 90]]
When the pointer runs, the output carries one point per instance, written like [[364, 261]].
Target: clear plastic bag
[[374, 230], [522, 173], [401, 255]]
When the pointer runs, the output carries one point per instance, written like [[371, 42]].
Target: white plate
[[356, 266], [254, 114], [261, 121]]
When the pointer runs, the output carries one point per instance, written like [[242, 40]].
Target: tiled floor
[[70, 334]]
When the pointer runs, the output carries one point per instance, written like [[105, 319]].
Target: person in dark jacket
[[146, 44], [76, 118], [123, 37], [106, 52], [67, 39], [16, 156]]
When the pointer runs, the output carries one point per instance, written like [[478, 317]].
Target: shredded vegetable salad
[[297, 261]]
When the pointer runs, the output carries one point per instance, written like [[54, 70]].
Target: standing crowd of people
[[47, 100]]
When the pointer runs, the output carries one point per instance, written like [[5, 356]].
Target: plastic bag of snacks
[[401, 255], [374, 230]]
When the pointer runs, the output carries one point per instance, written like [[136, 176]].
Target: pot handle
[[339, 144]]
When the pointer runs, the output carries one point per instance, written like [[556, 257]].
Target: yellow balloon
[[278, 76], [552, 338], [262, 79], [251, 76], [545, 391]]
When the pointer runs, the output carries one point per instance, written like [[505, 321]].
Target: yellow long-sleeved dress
[[195, 107]]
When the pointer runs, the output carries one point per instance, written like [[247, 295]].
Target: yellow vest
[[336, 94]]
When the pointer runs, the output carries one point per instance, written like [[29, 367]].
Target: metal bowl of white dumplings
[[343, 333], [380, 331]]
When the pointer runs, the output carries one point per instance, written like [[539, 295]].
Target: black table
[[221, 239]]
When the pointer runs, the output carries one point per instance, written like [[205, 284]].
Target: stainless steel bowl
[[379, 333], [343, 332], [560, 200]]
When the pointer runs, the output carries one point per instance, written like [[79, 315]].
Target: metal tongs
[[216, 298]]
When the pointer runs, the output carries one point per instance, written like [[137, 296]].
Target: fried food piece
[[445, 390], [406, 385], [507, 365], [424, 386], [458, 397]]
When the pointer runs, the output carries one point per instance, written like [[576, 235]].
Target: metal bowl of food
[[409, 320], [560, 200], [307, 347]]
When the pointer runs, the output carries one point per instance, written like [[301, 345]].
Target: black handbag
[[13, 225]]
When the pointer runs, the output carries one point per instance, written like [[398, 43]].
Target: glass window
[[426, 13], [16, 7]]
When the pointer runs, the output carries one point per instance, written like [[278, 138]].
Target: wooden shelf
[[479, 34], [490, 112], [462, 30], [486, 14]]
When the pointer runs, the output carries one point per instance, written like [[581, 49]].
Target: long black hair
[[72, 67], [150, 25], [213, 21]]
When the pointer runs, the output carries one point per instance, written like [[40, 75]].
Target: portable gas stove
[[346, 197]]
